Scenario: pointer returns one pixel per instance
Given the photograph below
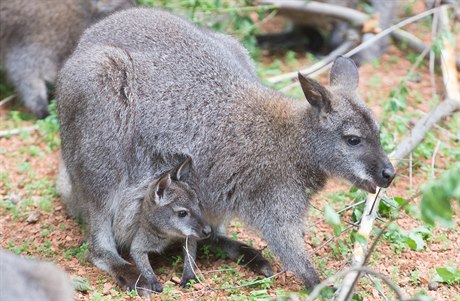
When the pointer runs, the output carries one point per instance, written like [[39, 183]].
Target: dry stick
[[315, 293], [433, 158], [16, 131], [445, 108], [7, 100]]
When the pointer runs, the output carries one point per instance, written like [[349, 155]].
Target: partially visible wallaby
[[26, 279], [169, 212], [37, 36], [144, 82], [146, 218]]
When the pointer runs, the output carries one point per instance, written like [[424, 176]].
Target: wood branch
[[6, 100], [288, 7], [7, 133], [311, 70], [372, 40], [414, 43], [446, 108]]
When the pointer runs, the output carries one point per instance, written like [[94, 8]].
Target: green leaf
[[415, 241], [80, 284], [449, 275], [330, 216]]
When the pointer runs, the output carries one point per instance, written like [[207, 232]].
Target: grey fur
[[37, 36], [160, 225], [145, 82], [26, 279]]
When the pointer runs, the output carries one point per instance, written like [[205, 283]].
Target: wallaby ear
[[316, 94], [157, 191], [182, 170], [344, 73]]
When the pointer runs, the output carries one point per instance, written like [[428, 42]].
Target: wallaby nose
[[388, 174], [207, 230]]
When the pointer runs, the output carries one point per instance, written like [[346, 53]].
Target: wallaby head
[[346, 136], [171, 207]]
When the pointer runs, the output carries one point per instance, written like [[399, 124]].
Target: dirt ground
[[29, 169]]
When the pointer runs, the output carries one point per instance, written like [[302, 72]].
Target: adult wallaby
[[26, 279], [145, 82], [145, 218], [37, 36]]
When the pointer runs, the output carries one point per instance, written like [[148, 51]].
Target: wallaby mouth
[[369, 186]]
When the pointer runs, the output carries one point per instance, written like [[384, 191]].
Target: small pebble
[[433, 285], [33, 217], [175, 279], [197, 286]]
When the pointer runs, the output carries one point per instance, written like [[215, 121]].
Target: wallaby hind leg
[[285, 239], [29, 74], [242, 253], [105, 256]]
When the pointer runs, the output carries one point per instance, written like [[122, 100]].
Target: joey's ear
[[344, 73], [158, 189], [316, 94], [182, 170]]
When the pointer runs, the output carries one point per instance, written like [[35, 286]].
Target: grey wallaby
[[144, 82], [169, 212], [27, 279], [37, 36], [147, 218]]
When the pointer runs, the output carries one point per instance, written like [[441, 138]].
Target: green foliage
[[230, 17], [77, 252], [435, 204], [49, 127], [332, 218], [414, 239], [449, 275], [80, 284]]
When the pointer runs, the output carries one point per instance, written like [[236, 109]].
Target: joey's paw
[[129, 278], [255, 261]]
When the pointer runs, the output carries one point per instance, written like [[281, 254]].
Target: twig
[[315, 293], [7, 100], [347, 45], [332, 238], [376, 287], [410, 172], [433, 158], [7, 133]]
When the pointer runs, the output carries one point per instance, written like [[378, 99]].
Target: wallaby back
[[37, 36], [146, 82]]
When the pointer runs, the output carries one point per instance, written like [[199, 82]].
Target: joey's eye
[[353, 140], [182, 213]]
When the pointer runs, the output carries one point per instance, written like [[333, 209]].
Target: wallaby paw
[[255, 261], [186, 279]]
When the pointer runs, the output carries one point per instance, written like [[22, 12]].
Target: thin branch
[[315, 293], [6, 100], [7, 133], [433, 158]]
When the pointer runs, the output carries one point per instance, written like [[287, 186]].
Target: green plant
[[449, 275]]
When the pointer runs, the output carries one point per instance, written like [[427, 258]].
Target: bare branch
[[6, 100], [287, 7], [7, 133]]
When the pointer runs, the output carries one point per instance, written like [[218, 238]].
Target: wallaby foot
[[243, 254], [130, 278]]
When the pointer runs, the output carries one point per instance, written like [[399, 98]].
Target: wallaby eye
[[182, 213], [353, 140]]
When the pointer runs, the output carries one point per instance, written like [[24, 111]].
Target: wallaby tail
[[64, 189]]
